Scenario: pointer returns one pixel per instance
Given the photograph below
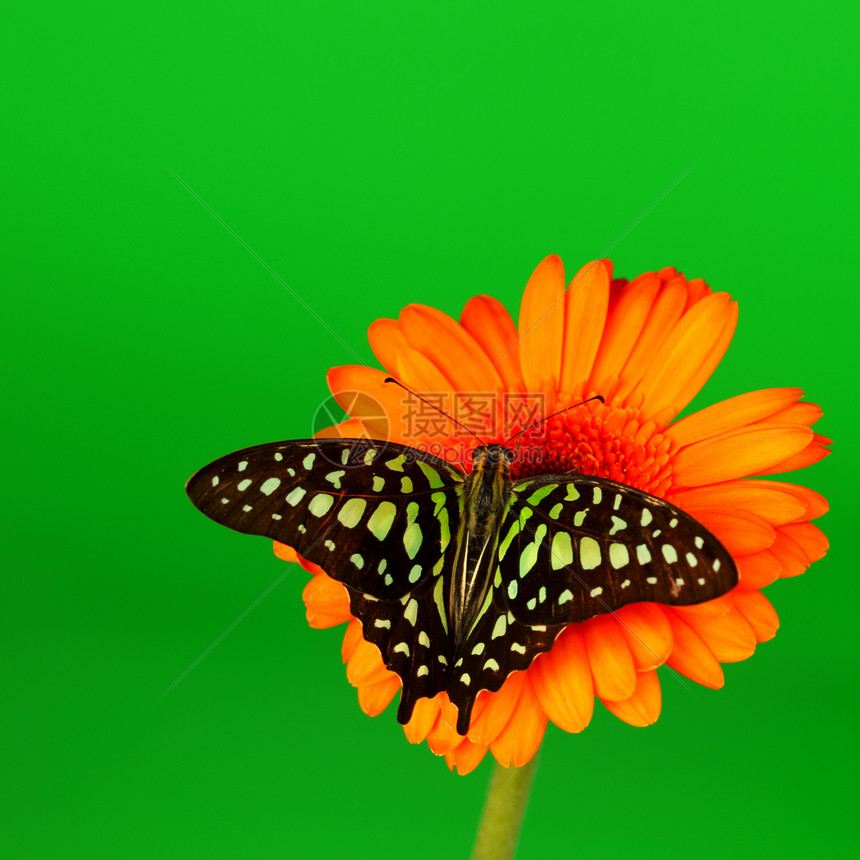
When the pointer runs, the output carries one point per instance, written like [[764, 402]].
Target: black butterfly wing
[[498, 645], [379, 517], [571, 547], [575, 546]]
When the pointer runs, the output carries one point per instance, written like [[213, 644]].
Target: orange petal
[[800, 413], [314, 569], [814, 452], [443, 738], [561, 679], [664, 315], [714, 356], [387, 340], [366, 667], [750, 408], [420, 424], [717, 606], [484, 697], [757, 570], [466, 757], [373, 699], [326, 601], [681, 357], [691, 656], [354, 428], [771, 500], [424, 716], [450, 713], [611, 661], [350, 639], [792, 559], [327, 594], [450, 347], [285, 553], [746, 451], [363, 393], [321, 621], [541, 324], [418, 372], [624, 323], [615, 287], [809, 538], [423, 427], [485, 727], [585, 305], [740, 532], [815, 503], [489, 322], [643, 707], [697, 290], [760, 615], [521, 737], [729, 637], [648, 634]]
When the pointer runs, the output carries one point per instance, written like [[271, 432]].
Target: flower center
[[607, 442]]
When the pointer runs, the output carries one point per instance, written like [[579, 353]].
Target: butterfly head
[[492, 457]]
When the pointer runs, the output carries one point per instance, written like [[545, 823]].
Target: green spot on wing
[[440, 602], [412, 511], [396, 465], [513, 531], [352, 512], [381, 520], [529, 555], [321, 504], [431, 474], [589, 553], [541, 493], [562, 551], [486, 605], [412, 540]]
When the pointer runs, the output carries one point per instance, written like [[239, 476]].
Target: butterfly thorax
[[487, 488], [486, 494]]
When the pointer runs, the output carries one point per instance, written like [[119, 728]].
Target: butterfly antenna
[[566, 408], [432, 406], [517, 449]]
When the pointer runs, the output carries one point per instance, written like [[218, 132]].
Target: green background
[[372, 157]]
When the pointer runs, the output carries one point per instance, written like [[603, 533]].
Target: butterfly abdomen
[[486, 494]]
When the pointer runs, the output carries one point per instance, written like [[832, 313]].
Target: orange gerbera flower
[[647, 346]]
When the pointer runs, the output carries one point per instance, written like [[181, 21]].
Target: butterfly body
[[461, 579], [486, 494]]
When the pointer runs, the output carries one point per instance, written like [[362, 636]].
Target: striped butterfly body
[[462, 579]]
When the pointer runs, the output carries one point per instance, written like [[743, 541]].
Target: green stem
[[503, 812]]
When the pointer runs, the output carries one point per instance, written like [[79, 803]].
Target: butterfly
[[461, 578]]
